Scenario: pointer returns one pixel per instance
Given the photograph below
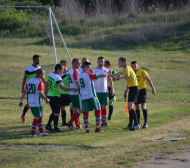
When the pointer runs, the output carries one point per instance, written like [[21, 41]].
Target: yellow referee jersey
[[141, 75], [131, 80]]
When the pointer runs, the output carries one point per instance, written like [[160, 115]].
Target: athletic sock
[[77, 122], [34, 126], [98, 118], [74, 117], [25, 110], [85, 118], [40, 125], [145, 114], [55, 118], [130, 119], [110, 111], [63, 115], [51, 117], [133, 116], [138, 116], [104, 115], [71, 112]]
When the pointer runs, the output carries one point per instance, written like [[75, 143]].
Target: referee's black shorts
[[142, 96], [133, 94], [54, 103], [65, 99]]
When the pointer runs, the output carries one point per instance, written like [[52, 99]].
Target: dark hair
[[63, 61], [58, 66], [107, 63], [74, 60], [84, 59], [39, 71], [100, 57], [134, 62], [36, 56], [122, 59], [85, 64]]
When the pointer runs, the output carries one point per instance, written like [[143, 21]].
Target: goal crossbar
[[51, 25]]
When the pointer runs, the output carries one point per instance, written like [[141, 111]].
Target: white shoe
[[79, 127], [43, 134], [139, 125], [32, 136], [145, 125], [136, 127]]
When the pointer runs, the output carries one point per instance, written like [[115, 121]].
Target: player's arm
[[66, 88], [111, 85], [123, 77], [46, 88], [44, 97], [116, 74], [151, 85], [24, 82], [22, 98], [126, 91]]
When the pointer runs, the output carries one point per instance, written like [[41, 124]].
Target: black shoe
[[145, 125], [70, 126], [104, 125], [48, 127], [129, 127], [64, 124], [109, 118], [56, 130]]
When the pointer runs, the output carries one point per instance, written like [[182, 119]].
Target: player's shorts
[[133, 94], [65, 100], [103, 98], [91, 104], [142, 96], [76, 101], [37, 111], [111, 98], [54, 103]]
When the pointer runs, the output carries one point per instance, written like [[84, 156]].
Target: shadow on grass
[[129, 40]]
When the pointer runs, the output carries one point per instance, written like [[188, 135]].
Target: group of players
[[84, 90]]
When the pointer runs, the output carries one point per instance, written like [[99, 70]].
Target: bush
[[11, 19]]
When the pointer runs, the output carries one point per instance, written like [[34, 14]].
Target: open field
[[168, 111]]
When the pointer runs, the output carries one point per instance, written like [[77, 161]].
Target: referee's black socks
[[71, 111], [25, 110], [138, 116], [145, 115], [133, 117]]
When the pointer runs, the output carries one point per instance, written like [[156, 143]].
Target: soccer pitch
[[168, 112]]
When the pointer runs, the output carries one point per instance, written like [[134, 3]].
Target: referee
[[130, 77], [142, 77]]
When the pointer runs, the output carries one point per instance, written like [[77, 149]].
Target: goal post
[[51, 26]]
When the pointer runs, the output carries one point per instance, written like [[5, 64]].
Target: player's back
[[34, 86], [86, 83], [72, 78]]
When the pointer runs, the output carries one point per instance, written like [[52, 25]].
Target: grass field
[[168, 113], [167, 62]]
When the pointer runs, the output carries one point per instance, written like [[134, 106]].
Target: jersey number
[[82, 84], [32, 89], [69, 78], [50, 84]]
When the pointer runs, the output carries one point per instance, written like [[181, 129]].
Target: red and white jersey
[[86, 83], [100, 84], [34, 86], [72, 79]]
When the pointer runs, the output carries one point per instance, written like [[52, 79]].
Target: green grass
[[166, 60], [168, 112]]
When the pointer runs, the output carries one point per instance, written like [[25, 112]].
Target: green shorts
[[103, 98], [76, 101], [91, 104], [37, 111]]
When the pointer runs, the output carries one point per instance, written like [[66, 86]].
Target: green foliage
[[72, 30], [11, 19]]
